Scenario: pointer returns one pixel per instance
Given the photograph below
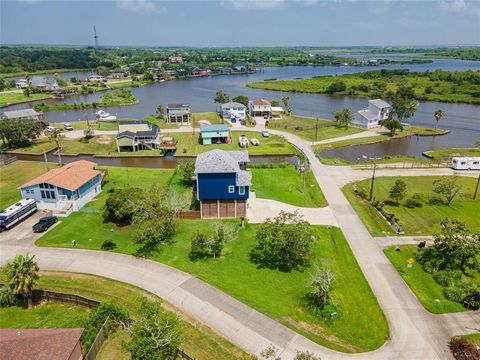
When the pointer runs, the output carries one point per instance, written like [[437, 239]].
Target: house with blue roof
[[215, 134], [223, 183]]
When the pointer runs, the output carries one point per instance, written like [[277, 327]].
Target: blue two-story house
[[65, 189], [222, 183]]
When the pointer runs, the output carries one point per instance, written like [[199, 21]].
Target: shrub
[[447, 276], [108, 245], [7, 298], [435, 200], [464, 349], [413, 203], [335, 87]]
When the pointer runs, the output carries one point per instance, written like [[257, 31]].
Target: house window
[[47, 194], [241, 190], [231, 189]]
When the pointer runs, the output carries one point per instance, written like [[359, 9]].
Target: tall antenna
[[95, 36]]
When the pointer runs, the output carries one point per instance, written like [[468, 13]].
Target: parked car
[[254, 142], [44, 223], [243, 141], [265, 133], [68, 127], [265, 117], [49, 129]]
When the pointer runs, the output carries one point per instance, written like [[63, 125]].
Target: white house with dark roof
[[371, 116], [222, 183], [44, 82], [234, 109]]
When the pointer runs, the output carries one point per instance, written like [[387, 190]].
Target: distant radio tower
[[95, 36]]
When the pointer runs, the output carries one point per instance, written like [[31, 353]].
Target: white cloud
[[462, 6], [141, 6]]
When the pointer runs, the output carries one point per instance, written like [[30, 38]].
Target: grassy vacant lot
[[16, 174], [287, 186], [424, 286], [189, 144], [359, 84], [418, 221], [305, 127], [9, 98], [278, 294], [447, 154], [73, 146], [199, 340], [49, 315]]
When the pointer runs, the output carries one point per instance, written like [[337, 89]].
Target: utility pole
[[476, 188], [45, 156], [373, 180]]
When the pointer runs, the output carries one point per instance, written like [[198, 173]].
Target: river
[[462, 120]]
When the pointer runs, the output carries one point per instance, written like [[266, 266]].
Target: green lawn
[[365, 84], [447, 154], [49, 315], [418, 221], [286, 185], [423, 285], [199, 340], [10, 98], [189, 144], [475, 338], [16, 174], [305, 127], [212, 117]]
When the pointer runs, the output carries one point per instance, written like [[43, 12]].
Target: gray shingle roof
[[229, 105], [244, 178], [379, 103], [216, 161], [367, 114], [240, 155], [16, 114]]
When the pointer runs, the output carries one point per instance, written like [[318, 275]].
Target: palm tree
[[286, 103], [438, 115], [22, 276], [55, 136], [160, 111]]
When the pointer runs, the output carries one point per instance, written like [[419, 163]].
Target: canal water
[[462, 120]]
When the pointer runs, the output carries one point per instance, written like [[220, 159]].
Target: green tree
[[448, 187], [156, 335], [343, 118], [186, 169], [148, 76], [88, 132], [306, 355], [404, 104], [2, 85], [274, 102], [122, 204], [21, 276], [160, 110], [398, 190], [336, 87], [286, 104], [221, 97], [283, 242], [241, 99], [321, 284], [199, 246], [19, 133], [438, 116], [27, 91], [392, 125], [155, 231]]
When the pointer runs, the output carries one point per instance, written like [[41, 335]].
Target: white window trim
[[231, 189], [241, 190]]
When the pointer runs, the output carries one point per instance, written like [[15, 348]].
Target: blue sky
[[241, 22]]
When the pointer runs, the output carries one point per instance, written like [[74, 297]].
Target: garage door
[[241, 208], [209, 209]]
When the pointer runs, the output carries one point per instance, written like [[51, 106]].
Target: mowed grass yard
[[277, 294], [286, 185], [48, 315], [424, 286], [417, 221], [198, 340], [9, 98], [16, 174], [305, 127]]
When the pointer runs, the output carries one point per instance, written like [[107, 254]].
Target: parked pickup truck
[[44, 223]]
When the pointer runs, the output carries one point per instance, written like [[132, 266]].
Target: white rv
[[466, 163]]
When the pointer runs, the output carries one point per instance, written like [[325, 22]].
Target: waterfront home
[[215, 134], [234, 110], [137, 135], [175, 59], [64, 189], [371, 116], [222, 183], [116, 75], [44, 82], [260, 107], [96, 77], [179, 113], [22, 83], [22, 114], [200, 72], [277, 112], [239, 67], [55, 344]]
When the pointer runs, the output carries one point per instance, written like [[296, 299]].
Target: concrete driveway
[[259, 210]]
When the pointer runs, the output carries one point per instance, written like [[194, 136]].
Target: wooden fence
[[10, 160], [42, 295], [97, 343], [182, 354], [188, 214]]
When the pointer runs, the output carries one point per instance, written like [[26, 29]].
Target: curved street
[[414, 333]]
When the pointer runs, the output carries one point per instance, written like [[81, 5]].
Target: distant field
[[10, 98]]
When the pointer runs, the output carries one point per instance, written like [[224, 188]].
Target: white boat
[[104, 116]]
